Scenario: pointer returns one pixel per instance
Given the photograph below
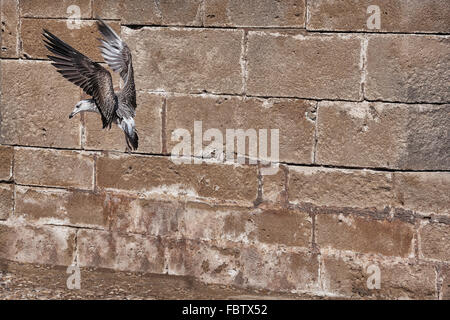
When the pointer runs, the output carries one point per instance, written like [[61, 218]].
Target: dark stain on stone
[[220, 268], [205, 266]]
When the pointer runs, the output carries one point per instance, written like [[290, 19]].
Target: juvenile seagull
[[96, 81]]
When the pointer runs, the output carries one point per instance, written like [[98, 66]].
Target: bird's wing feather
[[95, 80], [115, 52]]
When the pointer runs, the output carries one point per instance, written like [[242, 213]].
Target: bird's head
[[83, 105]]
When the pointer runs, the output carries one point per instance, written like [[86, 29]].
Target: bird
[[114, 107]]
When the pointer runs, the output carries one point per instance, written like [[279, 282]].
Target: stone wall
[[364, 147]]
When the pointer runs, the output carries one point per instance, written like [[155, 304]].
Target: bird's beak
[[71, 115]]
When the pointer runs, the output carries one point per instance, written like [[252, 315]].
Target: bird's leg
[[128, 148]]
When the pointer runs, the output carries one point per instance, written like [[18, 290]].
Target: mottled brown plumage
[[96, 81]]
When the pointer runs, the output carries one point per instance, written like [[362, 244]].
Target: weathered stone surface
[[274, 186], [366, 235], [208, 262], [427, 138], [348, 276], [286, 227], [395, 15], [148, 122], [424, 192], [37, 282], [146, 217], [161, 176], [9, 10], [120, 252], [265, 13], [109, 9], [244, 265], [325, 67], [186, 60], [383, 135], [435, 241], [48, 9], [271, 226], [53, 206], [6, 200], [6, 162], [408, 68], [360, 134], [278, 270], [289, 116], [137, 12], [83, 39], [54, 168], [341, 188], [34, 112], [200, 221], [43, 245], [445, 289], [173, 12]]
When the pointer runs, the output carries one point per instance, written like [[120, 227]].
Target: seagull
[[96, 81]]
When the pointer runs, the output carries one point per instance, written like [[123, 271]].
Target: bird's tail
[[132, 139], [131, 136]]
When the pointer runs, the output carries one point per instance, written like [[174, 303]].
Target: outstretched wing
[[95, 80], [115, 52]]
